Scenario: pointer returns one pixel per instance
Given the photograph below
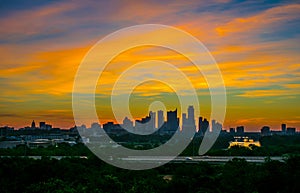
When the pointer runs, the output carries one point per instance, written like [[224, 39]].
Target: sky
[[255, 44]]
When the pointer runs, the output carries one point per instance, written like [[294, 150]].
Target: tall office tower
[[184, 121], [283, 128], [160, 119], [200, 123], [172, 121], [215, 126], [33, 124], [152, 115], [203, 126], [189, 121], [191, 118]]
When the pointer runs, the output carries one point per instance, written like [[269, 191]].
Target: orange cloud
[[42, 48], [264, 93]]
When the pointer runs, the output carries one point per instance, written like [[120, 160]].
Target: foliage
[[93, 175]]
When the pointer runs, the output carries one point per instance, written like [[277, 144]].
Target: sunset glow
[[256, 46]]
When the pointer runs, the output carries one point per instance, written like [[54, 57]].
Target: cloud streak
[[42, 46]]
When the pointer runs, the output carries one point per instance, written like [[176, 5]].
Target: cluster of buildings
[[35, 136], [266, 131], [149, 124], [171, 125], [246, 139], [146, 124], [155, 123]]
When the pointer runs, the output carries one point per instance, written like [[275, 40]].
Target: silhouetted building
[[4, 131], [291, 131], [127, 124], [163, 129], [160, 119], [45, 126], [96, 129], [265, 130], [48, 127], [114, 129], [108, 127], [172, 121], [200, 123], [191, 117], [152, 115], [146, 124], [74, 130], [215, 126], [283, 128], [189, 122], [240, 130], [33, 125], [232, 130], [95, 126], [223, 131], [81, 129], [42, 125], [203, 126], [184, 121]]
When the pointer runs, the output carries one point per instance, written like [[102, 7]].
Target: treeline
[[62, 149], [271, 146], [92, 175]]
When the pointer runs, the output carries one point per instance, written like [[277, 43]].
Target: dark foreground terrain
[[92, 175], [83, 172]]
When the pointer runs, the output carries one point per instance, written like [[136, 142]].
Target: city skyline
[[159, 121], [255, 45]]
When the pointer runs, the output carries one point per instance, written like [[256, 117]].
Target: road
[[180, 159], [195, 159], [37, 157]]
